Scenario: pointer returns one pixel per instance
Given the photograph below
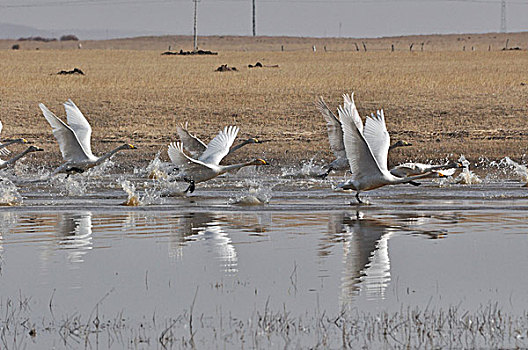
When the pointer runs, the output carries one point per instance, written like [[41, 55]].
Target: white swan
[[368, 160], [3, 150], [335, 132], [207, 166], [196, 147], [411, 169], [6, 163], [74, 140]]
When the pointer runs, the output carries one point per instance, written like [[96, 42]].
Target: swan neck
[[7, 143], [237, 166], [240, 145], [406, 179], [108, 155], [17, 157]]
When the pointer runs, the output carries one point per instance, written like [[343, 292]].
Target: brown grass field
[[444, 100]]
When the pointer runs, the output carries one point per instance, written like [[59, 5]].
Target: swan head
[[259, 161], [128, 146], [35, 149], [456, 165], [402, 143], [253, 140]]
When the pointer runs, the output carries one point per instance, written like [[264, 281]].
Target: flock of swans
[[360, 148]]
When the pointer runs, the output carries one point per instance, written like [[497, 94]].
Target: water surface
[[306, 250]]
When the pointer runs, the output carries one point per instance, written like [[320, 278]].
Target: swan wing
[[219, 147], [192, 144], [350, 105], [69, 145], [79, 125], [377, 137], [178, 157], [333, 127], [3, 151], [360, 158]]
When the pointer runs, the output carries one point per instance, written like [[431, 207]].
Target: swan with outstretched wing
[[74, 140], [368, 160], [207, 166]]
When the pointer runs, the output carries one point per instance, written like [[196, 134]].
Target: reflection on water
[[196, 227], [241, 259], [366, 264], [74, 233]]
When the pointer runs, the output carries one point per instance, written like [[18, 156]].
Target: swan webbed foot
[[191, 187], [325, 174]]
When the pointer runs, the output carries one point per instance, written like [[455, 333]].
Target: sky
[[315, 18]]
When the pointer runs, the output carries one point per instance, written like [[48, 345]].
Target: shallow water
[[70, 248]]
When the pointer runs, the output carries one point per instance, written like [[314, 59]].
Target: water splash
[[256, 194], [100, 170], [135, 199], [157, 169], [467, 177], [9, 195], [520, 170], [308, 169], [73, 185]]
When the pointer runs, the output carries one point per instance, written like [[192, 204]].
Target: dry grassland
[[446, 103]]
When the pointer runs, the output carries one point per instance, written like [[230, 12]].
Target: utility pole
[[195, 36], [503, 16], [254, 20]]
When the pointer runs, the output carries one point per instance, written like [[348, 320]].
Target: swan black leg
[[191, 187], [358, 199], [73, 170], [325, 174], [414, 183]]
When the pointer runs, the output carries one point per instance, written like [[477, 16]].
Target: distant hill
[[15, 31]]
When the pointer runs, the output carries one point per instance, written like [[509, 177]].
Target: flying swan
[[207, 166], [335, 132], [367, 154], [74, 140]]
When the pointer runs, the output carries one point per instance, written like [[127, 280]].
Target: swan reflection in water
[[365, 255], [74, 233], [8, 220], [207, 227], [211, 230]]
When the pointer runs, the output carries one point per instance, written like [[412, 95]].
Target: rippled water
[[251, 242]]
